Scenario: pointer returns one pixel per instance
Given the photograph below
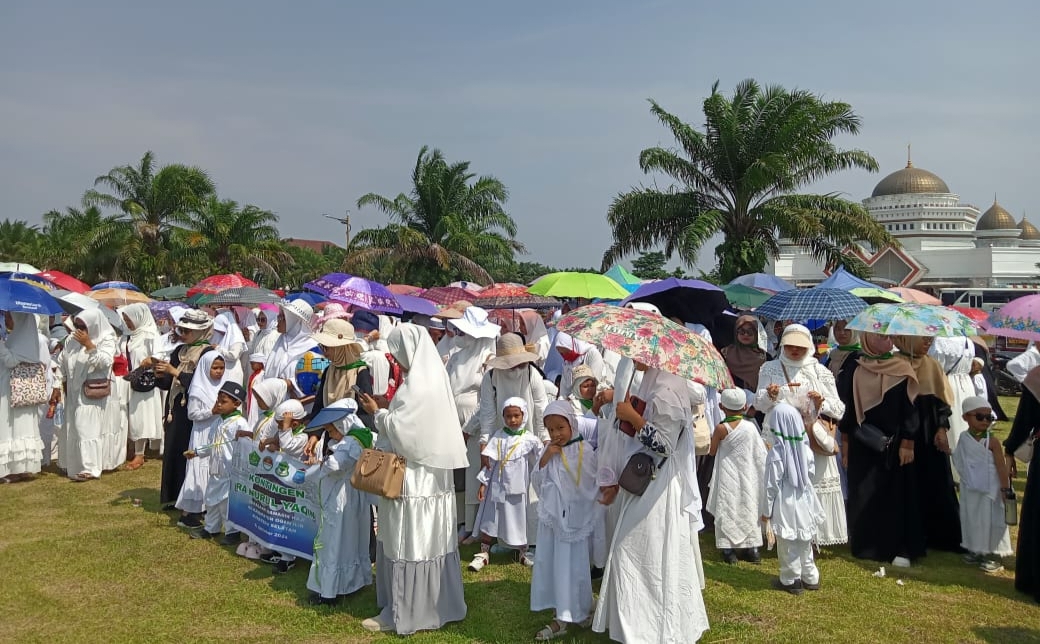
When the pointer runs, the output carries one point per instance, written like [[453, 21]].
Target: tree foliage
[[740, 177]]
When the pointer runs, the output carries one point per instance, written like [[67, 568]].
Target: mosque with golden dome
[[945, 242]]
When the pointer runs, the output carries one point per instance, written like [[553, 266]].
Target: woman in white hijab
[[418, 571], [21, 449], [229, 341], [577, 352], [535, 334], [474, 346], [145, 407], [88, 356], [651, 588], [294, 325], [263, 340]]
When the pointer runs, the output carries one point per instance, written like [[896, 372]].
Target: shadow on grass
[[1006, 634]]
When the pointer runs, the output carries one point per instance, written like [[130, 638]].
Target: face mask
[[569, 355]]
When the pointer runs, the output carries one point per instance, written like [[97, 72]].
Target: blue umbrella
[[127, 285], [689, 300], [764, 281], [35, 280], [22, 297], [310, 298], [413, 304], [811, 303]]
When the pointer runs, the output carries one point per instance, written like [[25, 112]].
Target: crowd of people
[[531, 443]]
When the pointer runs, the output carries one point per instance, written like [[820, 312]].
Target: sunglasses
[[983, 417]]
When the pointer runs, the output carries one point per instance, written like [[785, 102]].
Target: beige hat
[[510, 352], [335, 333], [797, 335]]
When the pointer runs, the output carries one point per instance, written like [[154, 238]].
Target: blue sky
[[302, 107]]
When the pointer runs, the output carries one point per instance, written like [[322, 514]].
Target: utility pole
[[343, 220]]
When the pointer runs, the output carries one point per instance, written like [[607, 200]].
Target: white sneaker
[[901, 562], [480, 560], [527, 559], [374, 625]]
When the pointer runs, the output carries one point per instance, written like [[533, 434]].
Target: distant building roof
[[317, 245]]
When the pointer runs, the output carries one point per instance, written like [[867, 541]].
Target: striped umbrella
[[242, 295], [811, 304]]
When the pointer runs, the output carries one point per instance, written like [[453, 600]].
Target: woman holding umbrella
[[87, 358], [21, 449]]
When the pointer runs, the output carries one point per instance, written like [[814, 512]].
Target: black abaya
[[942, 518], [1027, 561]]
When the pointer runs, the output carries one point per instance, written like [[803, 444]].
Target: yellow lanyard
[[581, 459], [501, 462]]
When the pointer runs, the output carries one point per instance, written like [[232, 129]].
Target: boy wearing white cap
[[985, 483], [737, 481]]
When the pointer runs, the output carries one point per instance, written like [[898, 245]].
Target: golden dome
[[910, 180], [996, 218], [1029, 231]]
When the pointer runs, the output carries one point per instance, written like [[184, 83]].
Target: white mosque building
[[946, 244]]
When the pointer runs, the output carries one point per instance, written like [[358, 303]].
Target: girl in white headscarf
[[210, 376], [88, 355], [790, 502], [294, 325], [231, 344], [21, 449], [651, 588], [417, 544], [577, 352], [535, 334], [263, 340], [144, 407]]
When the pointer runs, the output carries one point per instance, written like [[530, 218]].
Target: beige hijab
[[879, 371]]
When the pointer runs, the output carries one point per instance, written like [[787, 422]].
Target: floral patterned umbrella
[[217, 283], [909, 318], [650, 339], [1019, 318], [366, 294]]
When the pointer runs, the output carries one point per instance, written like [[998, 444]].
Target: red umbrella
[[65, 281], [447, 295], [404, 289], [217, 283], [976, 315]]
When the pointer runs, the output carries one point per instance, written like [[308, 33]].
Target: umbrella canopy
[[178, 292], [366, 294], [413, 304], [745, 297], [811, 303], [764, 282], [627, 280], [115, 284], [72, 303], [31, 278], [649, 339], [517, 302], [915, 296], [114, 297], [472, 287], [18, 267], [875, 295], [324, 284], [404, 289], [976, 315], [20, 296], [1019, 318], [447, 295], [310, 298], [689, 300], [162, 309], [242, 295], [217, 283], [912, 319], [65, 281], [588, 286]]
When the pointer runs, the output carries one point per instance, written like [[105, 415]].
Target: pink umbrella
[[914, 295], [1017, 319], [404, 289]]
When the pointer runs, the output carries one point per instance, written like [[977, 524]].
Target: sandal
[[83, 476], [548, 633], [135, 464]]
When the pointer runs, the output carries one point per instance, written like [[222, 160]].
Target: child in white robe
[[737, 481], [291, 439], [209, 378], [790, 502], [512, 452], [341, 548], [221, 453], [571, 530], [985, 482], [583, 393]]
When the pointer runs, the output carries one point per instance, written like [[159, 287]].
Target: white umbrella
[[74, 302], [18, 267]]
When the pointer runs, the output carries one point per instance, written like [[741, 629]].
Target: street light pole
[[343, 220]]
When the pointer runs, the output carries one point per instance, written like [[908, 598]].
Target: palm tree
[[739, 177], [446, 227], [228, 238], [19, 242], [154, 202], [89, 245]]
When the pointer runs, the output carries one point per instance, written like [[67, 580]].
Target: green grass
[[79, 563]]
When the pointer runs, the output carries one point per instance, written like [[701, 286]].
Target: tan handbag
[[701, 432], [379, 473]]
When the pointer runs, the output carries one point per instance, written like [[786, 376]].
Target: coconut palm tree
[[741, 177], [452, 224], [222, 237], [89, 245], [154, 202], [19, 242]]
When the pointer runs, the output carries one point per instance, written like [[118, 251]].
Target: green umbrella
[[876, 295], [618, 273], [744, 297], [178, 292], [589, 286]]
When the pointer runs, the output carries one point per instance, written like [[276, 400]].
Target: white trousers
[[216, 517], [796, 562]]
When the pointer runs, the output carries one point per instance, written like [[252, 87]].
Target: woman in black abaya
[[1027, 422]]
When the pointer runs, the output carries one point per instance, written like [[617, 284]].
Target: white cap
[[733, 399], [971, 403]]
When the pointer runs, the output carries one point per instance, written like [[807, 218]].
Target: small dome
[[996, 218], [1029, 231], [910, 180]]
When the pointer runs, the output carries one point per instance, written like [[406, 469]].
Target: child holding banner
[[341, 549], [221, 453], [210, 376], [290, 440]]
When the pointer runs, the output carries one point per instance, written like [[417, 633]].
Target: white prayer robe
[[735, 496], [503, 514]]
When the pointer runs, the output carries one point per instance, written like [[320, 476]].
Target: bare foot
[[136, 463]]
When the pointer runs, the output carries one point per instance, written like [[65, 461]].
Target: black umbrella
[[689, 300]]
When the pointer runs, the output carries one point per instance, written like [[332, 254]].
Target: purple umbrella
[[413, 304], [365, 294], [688, 300], [162, 309], [324, 284]]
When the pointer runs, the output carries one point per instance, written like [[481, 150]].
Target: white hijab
[[226, 332], [466, 365], [517, 402], [77, 359], [143, 338], [422, 422], [204, 388], [273, 391], [790, 445], [24, 340], [289, 347], [262, 339]]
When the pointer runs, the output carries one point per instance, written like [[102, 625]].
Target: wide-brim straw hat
[[510, 352], [474, 322], [195, 320], [335, 333]]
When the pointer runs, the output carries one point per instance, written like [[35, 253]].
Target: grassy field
[[79, 563]]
